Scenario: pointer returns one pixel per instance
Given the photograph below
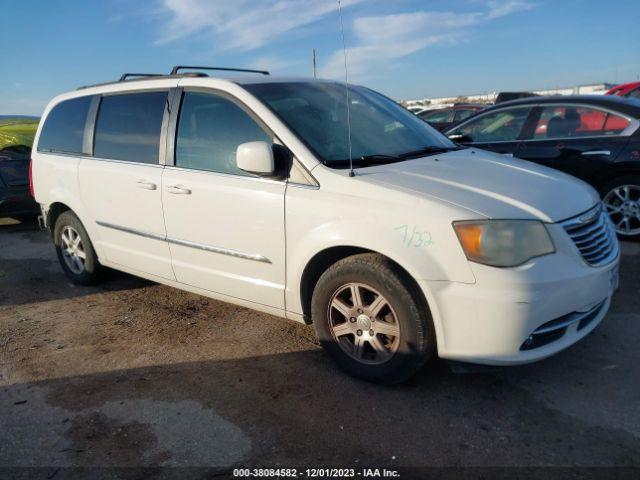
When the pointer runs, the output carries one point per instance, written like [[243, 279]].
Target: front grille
[[594, 235]]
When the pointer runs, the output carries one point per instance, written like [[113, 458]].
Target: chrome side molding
[[132, 231], [256, 257]]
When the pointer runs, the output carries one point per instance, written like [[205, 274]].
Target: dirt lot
[[131, 373]]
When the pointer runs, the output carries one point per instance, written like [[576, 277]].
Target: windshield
[[317, 113], [16, 136]]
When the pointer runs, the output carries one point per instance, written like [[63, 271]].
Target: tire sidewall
[[92, 267], [416, 343]]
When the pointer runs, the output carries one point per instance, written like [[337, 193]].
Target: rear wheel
[[75, 251], [370, 320], [622, 199]]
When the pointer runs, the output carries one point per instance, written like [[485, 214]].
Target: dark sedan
[[16, 137], [595, 138]]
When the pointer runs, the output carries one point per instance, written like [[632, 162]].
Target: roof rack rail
[[174, 70], [126, 76]]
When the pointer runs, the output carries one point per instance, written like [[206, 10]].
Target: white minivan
[[242, 190]]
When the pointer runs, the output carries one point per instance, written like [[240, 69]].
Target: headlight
[[503, 243]]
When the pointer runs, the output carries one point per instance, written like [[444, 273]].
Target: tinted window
[[575, 122], [63, 129], [498, 126], [128, 127], [463, 115], [317, 113], [634, 93], [210, 129], [438, 116]]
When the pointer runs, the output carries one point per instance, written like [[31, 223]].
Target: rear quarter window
[[63, 129]]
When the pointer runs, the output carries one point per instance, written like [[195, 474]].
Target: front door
[[120, 186], [225, 227]]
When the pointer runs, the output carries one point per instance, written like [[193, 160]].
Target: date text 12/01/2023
[[315, 473]]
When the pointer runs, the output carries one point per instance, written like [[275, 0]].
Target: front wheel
[[75, 251], [370, 320], [622, 200]]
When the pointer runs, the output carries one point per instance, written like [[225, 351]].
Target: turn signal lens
[[470, 235], [503, 243]]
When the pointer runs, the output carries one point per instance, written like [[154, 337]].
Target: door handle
[[178, 190], [146, 185], [596, 153]]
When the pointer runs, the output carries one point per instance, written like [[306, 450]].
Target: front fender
[[420, 240]]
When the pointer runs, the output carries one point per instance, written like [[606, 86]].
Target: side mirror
[[255, 157], [459, 138]]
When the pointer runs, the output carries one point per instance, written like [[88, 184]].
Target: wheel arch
[[323, 259], [55, 210], [607, 175]]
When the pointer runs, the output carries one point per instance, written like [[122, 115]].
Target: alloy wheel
[[363, 323], [73, 250], [623, 206]]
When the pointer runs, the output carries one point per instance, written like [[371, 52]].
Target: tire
[[81, 271], [405, 339], [613, 196]]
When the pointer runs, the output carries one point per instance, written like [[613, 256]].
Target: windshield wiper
[[368, 160], [383, 159], [378, 159], [430, 150]]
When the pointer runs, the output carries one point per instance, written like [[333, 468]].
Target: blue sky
[[404, 48]]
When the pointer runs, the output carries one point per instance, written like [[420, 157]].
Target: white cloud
[[499, 9], [381, 39], [242, 24]]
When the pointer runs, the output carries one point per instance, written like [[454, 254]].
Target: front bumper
[[520, 315]]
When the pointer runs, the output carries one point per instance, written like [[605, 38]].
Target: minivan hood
[[490, 184]]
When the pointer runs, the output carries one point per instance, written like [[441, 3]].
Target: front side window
[[317, 113], [438, 116], [575, 122], [463, 114], [63, 129], [210, 128], [129, 127], [499, 126]]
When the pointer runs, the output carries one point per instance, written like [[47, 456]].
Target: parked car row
[[347, 212], [595, 138]]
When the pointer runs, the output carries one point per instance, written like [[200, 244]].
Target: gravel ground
[[135, 374]]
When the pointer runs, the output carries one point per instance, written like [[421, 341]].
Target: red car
[[629, 90]]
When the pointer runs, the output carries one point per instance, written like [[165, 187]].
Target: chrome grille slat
[[594, 236], [575, 233], [586, 226], [595, 246]]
